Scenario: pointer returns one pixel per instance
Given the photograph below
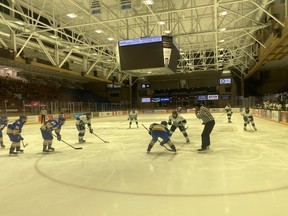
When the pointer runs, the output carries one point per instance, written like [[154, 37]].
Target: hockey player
[[3, 124], [133, 117], [81, 121], [177, 121], [248, 118], [14, 132], [160, 131], [46, 131], [229, 112]]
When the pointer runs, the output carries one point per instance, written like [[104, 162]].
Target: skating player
[[14, 132], [3, 124], [177, 121], [160, 131], [46, 131], [248, 118], [133, 117], [229, 112], [81, 121]]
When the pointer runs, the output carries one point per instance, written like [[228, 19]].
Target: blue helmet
[[164, 123], [61, 119], [23, 118]]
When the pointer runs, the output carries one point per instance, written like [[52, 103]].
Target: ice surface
[[245, 173]]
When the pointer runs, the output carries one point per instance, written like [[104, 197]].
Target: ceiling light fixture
[[223, 13], [98, 31], [72, 15], [19, 23], [148, 2]]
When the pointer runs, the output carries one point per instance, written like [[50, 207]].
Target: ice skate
[[13, 154], [18, 150], [81, 140], [203, 149], [51, 149]]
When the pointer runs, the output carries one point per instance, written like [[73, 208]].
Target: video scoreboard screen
[[148, 52]]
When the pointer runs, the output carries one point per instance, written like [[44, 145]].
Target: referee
[[203, 113]]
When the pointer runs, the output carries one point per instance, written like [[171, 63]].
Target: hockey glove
[[20, 137], [91, 130], [162, 143], [58, 137], [169, 123]]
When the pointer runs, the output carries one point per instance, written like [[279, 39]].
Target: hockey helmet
[[23, 118], [174, 114], [247, 110], [197, 105], [62, 120], [88, 115], [164, 123], [4, 117]]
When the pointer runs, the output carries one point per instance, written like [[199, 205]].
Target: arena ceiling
[[212, 35]]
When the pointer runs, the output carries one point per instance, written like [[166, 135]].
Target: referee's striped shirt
[[204, 114]]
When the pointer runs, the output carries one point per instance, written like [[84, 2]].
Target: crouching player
[[14, 132], [160, 131], [81, 121], [46, 131]]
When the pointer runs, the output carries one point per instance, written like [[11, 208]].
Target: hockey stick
[[157, 139], [100, 138], [24, 144], [77, 148], [123, 121]]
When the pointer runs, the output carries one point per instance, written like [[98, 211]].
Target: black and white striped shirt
[[204, 114]]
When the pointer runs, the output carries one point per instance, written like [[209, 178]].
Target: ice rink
[[244, 173]]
